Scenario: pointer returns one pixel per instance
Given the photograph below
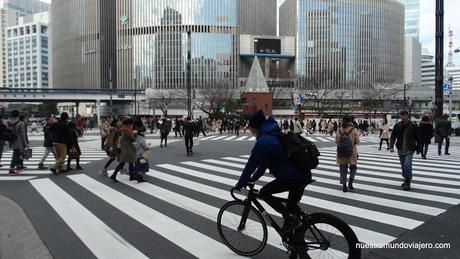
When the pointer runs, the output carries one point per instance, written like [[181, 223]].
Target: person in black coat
[[189, 130], [426, 134], [73, 144], [48, 143], [443, 130]]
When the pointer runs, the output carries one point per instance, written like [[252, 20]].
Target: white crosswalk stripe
[[312, 138], [88, 156], [378, 212]]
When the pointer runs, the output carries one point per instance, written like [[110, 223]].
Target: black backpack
[[302, 153], [345, 146], [9, 134]]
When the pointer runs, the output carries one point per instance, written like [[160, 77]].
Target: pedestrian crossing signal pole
[[189, 73], [439, 59]]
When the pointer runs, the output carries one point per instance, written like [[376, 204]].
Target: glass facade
[[412, 17], [345, 44], [153, 43]]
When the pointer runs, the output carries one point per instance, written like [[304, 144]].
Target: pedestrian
[[80, 123], [384, 134], [237, 127], [48, 143], [104, 131], [297, 127], [73, 149], [177, 127], [3, 129], [189, 132], [347, 139], [18, 143], [127, 151], [111, 147], [200, 125], [33, 127], [330, 128], [60, 133], [426, 134], [165, 128], [142, 158], [291, 126], [406, 135], [443, 130]]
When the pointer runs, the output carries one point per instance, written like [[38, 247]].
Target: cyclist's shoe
[[291, 222]]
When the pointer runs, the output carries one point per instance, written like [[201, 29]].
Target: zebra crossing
[[379, 211], [319, 138], [88, 156]]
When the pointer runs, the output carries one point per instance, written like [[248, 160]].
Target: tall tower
[[451, 48]]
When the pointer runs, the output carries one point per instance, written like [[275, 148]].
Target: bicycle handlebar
[[232, 191]]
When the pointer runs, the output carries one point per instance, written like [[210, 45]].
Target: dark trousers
[[165, 138], [202, 131], [446, 150], [103, 143], [189, 144], [109, 162], [120, 166], [295, 188], [175, 133], [381, 142], [424, 149], [15, 159]]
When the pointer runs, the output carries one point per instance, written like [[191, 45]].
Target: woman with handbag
[[126, 150], [73, 149], [142, 158]]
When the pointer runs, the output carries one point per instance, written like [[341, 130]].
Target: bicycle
[[243, 229]]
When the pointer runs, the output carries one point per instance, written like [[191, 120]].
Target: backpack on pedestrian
[[345, 145], [302, 153], [9, 134]]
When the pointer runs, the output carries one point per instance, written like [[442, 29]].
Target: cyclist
[[269, 152]]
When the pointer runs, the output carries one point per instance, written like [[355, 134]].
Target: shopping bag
[[196, 141], [27, 153], [73, 153]]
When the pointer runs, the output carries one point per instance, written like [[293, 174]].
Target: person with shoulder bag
[[347, 154], [141, 166], [384, 134], [18, 142], [426, 134], [73, 148], [48, 143], [126, 150], [111, 145]]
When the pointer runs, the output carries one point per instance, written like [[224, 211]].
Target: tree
[[375, 95], [162, 99], [212, 100]]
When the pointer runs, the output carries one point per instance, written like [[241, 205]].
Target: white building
[[428, 69], [10, 12], [454, 72], [28, 60], [412, 62]]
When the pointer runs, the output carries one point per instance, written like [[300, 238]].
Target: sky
[[427, 25]]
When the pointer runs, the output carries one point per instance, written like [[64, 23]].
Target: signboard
[[297, 100], [268, 46], [447, 88]]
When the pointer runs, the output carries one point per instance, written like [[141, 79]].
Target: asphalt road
[[84, 215]]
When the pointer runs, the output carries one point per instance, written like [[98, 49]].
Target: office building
[[345, 44], [428, 69], [10, 12], [412, 61], [27, 44], [454, 72], [412, 18], [84, 48]]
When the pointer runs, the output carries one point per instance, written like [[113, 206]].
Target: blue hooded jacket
[[269, 152]]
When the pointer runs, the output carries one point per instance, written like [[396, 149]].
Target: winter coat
[[19, 128], [444, 128], [385, 131], [127, 148], [111, 146], [189, 129], [48, 138], [298, 127], [426, 132], [165, 128], [406, 136], [354, 137], [60, 132], [268, 152]]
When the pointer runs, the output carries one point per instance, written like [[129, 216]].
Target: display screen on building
[[268, 46]]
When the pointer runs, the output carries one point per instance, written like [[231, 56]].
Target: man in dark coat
[[426, 134], [189, 129], [406, 135], [443, 130], [48, 143]]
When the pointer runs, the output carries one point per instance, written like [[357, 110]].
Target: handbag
[[141, 166], [26, 153], [196, 141], [73, 153]]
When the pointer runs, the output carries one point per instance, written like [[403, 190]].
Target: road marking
[[16, 178], [100, 239], [252, 138], [241, 138], [311, 139], [322, 139], [187, 238], [206, 138], [220, 137], [230, 138], [364, 235]]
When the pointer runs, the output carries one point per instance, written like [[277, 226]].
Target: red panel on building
[[254, 101]]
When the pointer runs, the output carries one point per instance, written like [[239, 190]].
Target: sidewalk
[[441, 229], [18, 238]]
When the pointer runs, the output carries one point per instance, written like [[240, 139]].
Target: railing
[[71, 91]]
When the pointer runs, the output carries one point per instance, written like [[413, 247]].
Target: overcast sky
[[427, 24]]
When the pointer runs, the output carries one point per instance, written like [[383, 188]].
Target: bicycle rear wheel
[[328, 237], [245, 236]]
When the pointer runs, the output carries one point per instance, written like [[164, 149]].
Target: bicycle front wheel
[[244, 235], [328, 236]]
